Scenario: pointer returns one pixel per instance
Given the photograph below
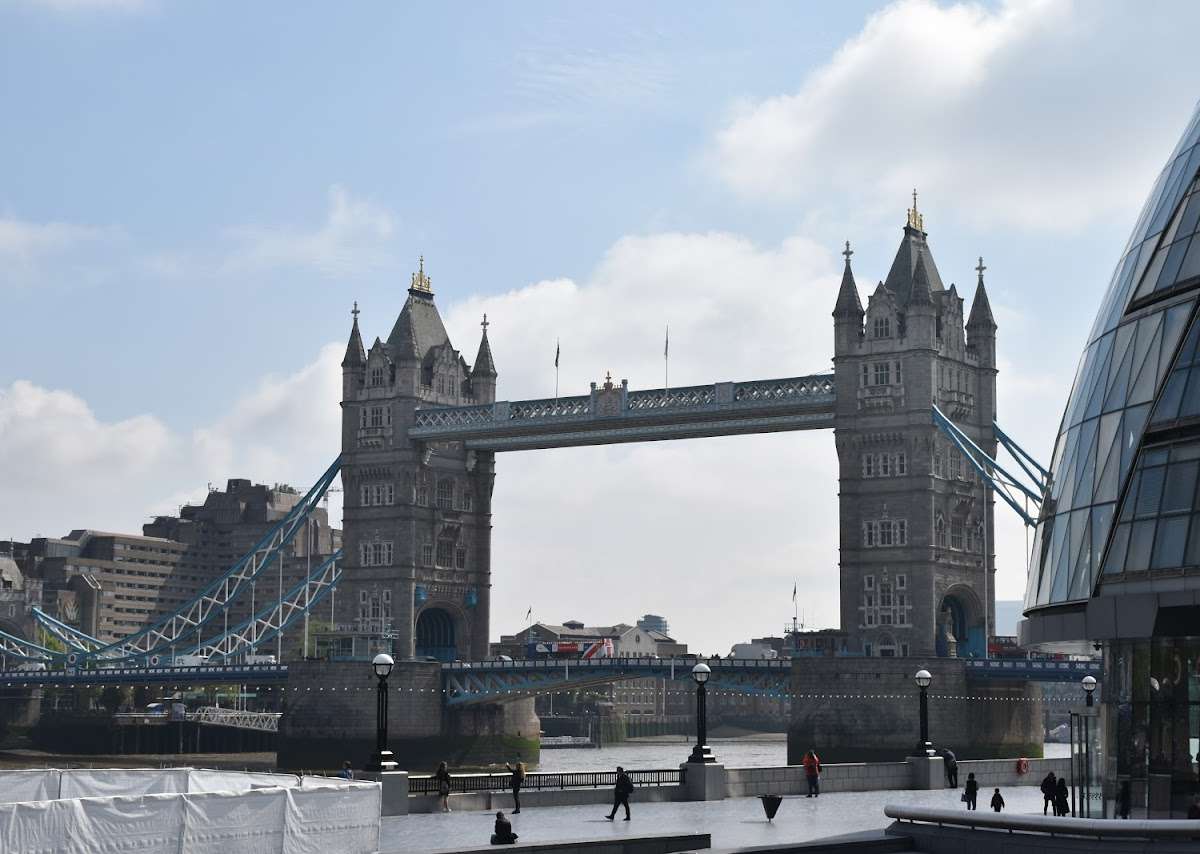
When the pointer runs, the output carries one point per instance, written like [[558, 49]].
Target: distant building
[[654, 623], [649, 696], [111, 585]]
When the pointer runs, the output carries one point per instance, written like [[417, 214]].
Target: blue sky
[[194, 194]]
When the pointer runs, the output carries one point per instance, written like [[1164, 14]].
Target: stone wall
[[867, 710], [329, 716]]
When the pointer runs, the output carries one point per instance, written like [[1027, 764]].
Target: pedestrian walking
[[1049, 788], [951, 763], [812, 772], [1193, 812], [442, 776], [502, 833], [621, 793], [1061, 796], [516, 781], [970, 792], [347, 771], [997, 801]]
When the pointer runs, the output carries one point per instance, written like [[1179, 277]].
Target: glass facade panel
[[1136, 360]]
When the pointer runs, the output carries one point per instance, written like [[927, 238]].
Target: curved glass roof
[[1134, 344]]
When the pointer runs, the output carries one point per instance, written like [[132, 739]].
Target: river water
[[756, 752]]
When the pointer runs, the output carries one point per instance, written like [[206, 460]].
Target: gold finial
[[421, 282], [608, 384], [915, 220]]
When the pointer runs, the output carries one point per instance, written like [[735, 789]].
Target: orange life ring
[[1022, 766]]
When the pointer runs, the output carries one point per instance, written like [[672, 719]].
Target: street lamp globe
[[923, 678], [383, 665], [1089, 684], [700, 673]]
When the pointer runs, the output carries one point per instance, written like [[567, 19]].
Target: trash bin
[[770, 805]]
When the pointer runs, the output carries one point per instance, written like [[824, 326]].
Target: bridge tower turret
[[417, 516], [915, 523]]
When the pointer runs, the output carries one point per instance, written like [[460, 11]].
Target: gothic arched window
[[939, 531], [883, 326], [445, 494]]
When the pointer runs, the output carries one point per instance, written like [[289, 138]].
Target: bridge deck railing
[[537, 781]]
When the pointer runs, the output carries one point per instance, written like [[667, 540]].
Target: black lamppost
[[701, 753], [1089, 688], [383, 759], [924, 748]]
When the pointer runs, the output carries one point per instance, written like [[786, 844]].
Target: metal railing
[[1094, 828], [534, 781]]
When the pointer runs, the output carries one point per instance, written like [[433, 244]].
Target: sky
[[194, 195]]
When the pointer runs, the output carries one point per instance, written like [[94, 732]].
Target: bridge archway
[[437, 634], [959, 628]]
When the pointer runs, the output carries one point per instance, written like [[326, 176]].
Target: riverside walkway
[[734, 822]]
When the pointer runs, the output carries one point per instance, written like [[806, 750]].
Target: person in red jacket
[[812, 772]]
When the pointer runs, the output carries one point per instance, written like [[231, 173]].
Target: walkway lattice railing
[[537, 781]]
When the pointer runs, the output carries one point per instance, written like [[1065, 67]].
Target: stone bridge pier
[[329, 717]]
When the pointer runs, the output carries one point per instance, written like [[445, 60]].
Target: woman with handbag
[[443, 786]]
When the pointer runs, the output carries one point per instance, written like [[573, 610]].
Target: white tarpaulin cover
[[51, 784], [261, 821]]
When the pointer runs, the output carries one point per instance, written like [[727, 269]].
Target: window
[[882, 373], [422, 494], [883, 327], [904, 650], [863, 377], [465, 501], [956, 534], [364, 495], [362, 418], [445, 494], [898, 379], [939, 531], [885, 532], [427, 553], [460, 557], [377, 415], [375, 554], [901, 582], [868, 465], [885, 465], [377, 375], [445, 554], [869, 582], [939, 463], [901, 464]]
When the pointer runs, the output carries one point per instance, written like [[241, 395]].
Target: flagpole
[[667, 360], [556, 352]]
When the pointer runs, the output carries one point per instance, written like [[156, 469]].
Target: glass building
[[1116, 556]]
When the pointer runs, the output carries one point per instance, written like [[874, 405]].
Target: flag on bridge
[[794, 591], [529, 613], [557, 349]]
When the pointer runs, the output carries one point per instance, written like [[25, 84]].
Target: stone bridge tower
[[417, 517], [916, 522]]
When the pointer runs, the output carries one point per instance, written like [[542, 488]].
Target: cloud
[[662, 527], [980, 108], [66, 468], [353, 239], [26, 248]]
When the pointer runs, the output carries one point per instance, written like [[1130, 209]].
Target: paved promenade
[[732, 822]]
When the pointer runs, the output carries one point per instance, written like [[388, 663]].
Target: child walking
[[997, 801]]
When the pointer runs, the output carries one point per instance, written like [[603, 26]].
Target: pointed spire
[[355, 354], [922, 293], [421, 284], [484, 365], [981, 310], [848, 304]]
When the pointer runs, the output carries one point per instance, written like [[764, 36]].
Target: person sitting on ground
[[997, 801], [503, 834], [347, 771]]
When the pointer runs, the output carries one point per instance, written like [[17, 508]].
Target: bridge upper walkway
[[613, 414]]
